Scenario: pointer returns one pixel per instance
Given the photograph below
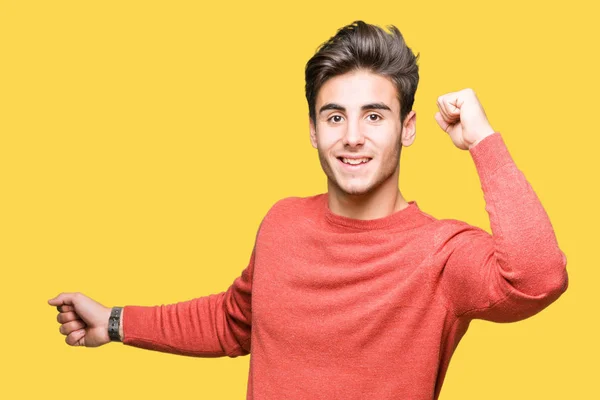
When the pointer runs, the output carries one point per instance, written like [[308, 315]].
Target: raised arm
[[519, 269]]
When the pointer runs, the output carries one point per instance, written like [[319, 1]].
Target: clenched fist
[[83, 321], [462, 117]]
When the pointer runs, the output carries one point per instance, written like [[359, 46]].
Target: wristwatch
[[113, 324]]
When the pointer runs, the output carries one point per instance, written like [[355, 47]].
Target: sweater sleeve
[[212, 326], [519, 269]]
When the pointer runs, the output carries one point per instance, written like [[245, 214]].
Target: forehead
[[356, 88]]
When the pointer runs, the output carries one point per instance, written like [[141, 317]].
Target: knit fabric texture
[[331, 307]]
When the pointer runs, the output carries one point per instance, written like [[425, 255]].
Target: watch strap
[[114, 322]]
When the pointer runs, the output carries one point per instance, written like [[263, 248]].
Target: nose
[[353, 136]]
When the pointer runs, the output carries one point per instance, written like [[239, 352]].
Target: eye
[[374, 117], [336, 118]]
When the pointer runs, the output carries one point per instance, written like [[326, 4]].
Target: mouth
[[354, 163]]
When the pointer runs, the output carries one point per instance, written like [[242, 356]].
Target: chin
[[355, 190]]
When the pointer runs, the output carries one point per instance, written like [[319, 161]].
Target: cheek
[[390, 141], [325, 142]]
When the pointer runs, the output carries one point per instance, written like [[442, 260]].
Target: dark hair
[[364, 46]]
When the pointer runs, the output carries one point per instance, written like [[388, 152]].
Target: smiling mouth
[[354, 162]]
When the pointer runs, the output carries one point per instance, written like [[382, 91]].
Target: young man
[[357, 293]]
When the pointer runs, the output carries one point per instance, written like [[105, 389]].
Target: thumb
[[454, 106]]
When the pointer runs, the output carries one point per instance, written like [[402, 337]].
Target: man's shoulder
[[447, 229], [296, 201], [295, 206], [442, 226]]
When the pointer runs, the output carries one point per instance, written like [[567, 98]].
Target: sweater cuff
[[135, 318], [489, 155]]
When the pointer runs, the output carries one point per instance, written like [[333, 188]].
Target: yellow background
[[143, 142]]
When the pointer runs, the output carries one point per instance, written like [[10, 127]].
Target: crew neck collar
[[397, 217]]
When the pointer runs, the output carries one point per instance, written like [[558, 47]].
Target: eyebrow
[[371, 106]]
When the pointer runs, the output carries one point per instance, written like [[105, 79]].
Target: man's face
[[358, 132]]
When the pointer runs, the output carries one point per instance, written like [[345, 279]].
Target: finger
[[451, 110], [453, 105], [440, 105], [448, 105], [65, 308], [444, 112], [76, 338], [441, 121], [63, 298], [67, 317], [441, 114], [69, 327]]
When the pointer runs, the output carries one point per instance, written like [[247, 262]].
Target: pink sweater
[[336, 308]]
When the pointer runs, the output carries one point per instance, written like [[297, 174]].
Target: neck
[[379, 203]]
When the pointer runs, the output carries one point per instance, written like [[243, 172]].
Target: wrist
[[115, 332], [476, 142]]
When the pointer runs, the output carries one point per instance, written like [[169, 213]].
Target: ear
[[409, 129], [313, 132]]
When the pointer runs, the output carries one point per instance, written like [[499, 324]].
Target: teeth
[[354, 162]]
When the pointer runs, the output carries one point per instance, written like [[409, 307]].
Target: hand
[[462, 117], [83, 321]]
